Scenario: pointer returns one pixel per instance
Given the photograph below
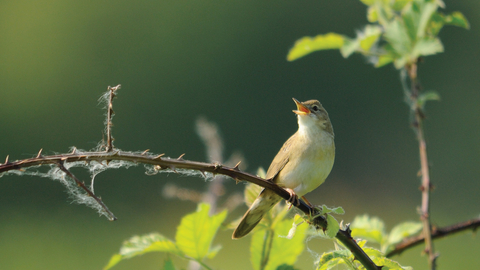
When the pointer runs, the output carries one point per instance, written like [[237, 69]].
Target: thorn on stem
[[181, 156], [144, 152], [236, 167], [348, 230], [74, 151], [39, 155], [6, 159], [159, 156]]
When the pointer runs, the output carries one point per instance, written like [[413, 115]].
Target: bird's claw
[[293, 200]]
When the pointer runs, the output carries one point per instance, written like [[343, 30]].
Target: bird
[[302, 164]]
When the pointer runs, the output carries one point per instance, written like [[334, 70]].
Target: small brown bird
[[302, 164]]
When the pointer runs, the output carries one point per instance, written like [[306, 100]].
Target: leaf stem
[[267, 247]]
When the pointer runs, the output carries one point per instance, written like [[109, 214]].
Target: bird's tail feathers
[[258, 209]]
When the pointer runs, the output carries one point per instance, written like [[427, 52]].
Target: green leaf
[[428, 9], [286, 267], [283, 250], [197, 230], [388, 264], [384, 59], [401, 61], [336, 210], [386, 56], [371, 252], [307, 45], [361, 243], [400, 4], [436, 24], [427, 46], [331, 264], [403, 230], [372, 229], [168, 265], [257, 245], [397, 36], [411, 19], [139, 245], [349, 47], [457, 19], [416, 17], [331, 259], [369, 36], [368, 2], [332, 227], [113, 261], [426, 96], [372, 15]]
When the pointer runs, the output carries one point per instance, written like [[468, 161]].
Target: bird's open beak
[[301, 109]]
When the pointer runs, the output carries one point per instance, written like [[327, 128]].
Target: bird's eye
[[315, 108]]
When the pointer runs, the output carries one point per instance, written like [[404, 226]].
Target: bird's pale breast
[[309, 168]]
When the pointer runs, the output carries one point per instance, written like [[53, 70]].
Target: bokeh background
[[178, 60]]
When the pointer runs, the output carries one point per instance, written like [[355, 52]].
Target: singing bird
[[302, 164]]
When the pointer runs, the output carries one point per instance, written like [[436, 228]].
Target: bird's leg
[[307, 202], [293, 197], [312, 207]]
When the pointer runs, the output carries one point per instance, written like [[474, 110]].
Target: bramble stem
[[407, 243], [343, 236], [422, 146]]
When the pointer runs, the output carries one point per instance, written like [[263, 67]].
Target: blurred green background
[[177, 60]]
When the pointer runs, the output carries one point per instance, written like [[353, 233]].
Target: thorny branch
[[417, 110], [436, 233], [164, 163]]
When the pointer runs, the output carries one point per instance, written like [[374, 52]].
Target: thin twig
[[422, 145], [436, 233], [111, 216], [110, 113]]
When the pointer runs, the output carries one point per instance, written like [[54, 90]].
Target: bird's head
[[312, 115]]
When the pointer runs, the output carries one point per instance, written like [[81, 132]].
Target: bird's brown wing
[[280, 160]]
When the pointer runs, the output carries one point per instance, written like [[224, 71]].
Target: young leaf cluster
[[399, 32], [373, 230], [342, 256], [370, 229]]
